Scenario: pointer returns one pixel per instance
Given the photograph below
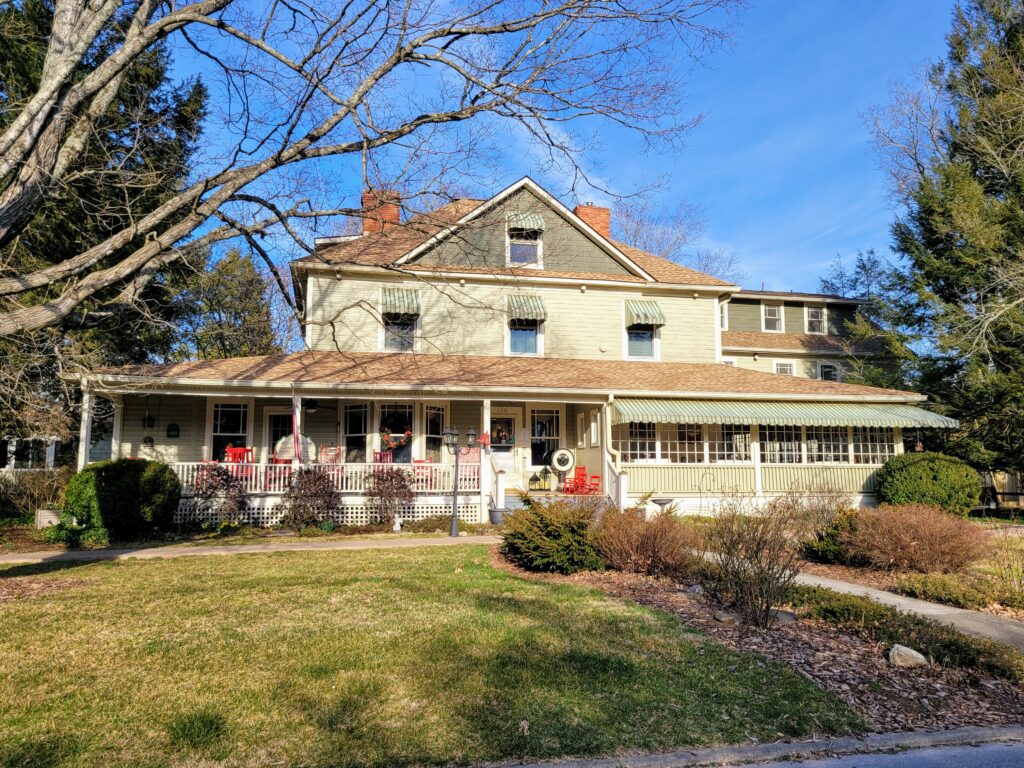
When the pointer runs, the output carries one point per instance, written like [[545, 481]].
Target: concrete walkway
[[237, 549], [969, 622]]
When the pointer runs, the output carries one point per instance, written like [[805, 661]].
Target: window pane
[[396, 420], [399, 332], [780, 445], [230, 419], [434, 428], [641, 341], [773, 317], [828, 372], [728, 443], [522, 336], [522, 253], [682, 443], [815, 320], [786, 369], [826, 445], [872, 445], [355, 433], [544, 433]]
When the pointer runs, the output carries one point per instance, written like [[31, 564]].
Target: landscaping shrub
[[128, 498], [755, 555], [959, 590], [663, 545], [915, 537], [63, 534], [388, 492], [311, 499], [553, 536], [1008, 566], [929, 478], [829, 545], [219, 493], [879, 623], [22, 493]]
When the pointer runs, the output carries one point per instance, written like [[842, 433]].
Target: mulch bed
[[889, 699]]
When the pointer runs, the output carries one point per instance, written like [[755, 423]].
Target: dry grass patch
[[389, 657]]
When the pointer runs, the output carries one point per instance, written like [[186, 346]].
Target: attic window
[[525, 233]]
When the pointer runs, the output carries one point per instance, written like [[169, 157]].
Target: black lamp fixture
[[173, 430], [450, 438], [312, 406]]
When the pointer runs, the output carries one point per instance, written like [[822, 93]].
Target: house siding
[[344, 314], [482, 243]]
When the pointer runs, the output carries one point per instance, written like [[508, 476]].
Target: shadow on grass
[[48, 566], [41, 752]]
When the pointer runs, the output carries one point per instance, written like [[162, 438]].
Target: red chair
[[594, 485], [421, 472], [330, 454], [238, 455], [383, 457], [577, 483]]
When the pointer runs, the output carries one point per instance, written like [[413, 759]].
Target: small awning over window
[[640, 312], [758, 412], [400, 301], [522, 307], [523, 220]]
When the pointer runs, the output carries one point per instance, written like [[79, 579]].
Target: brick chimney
[[598, 217], [381, 210]]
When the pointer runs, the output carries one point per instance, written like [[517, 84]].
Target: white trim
[[723, 316], [527, 183], [782, 316], [118, 428], [508, 340], [824, 319], [581, 430], [814, 298], [718, 308], [216, 399], [538, 264]]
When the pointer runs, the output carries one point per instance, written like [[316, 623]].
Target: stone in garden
[[783, 617], [901, 656], [727, 617], [695, 589]]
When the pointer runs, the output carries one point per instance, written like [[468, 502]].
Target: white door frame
[[515, 477], [268, 411]]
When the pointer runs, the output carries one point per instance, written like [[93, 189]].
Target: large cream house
[[525, 321]]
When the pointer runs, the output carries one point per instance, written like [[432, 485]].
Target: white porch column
[[755, 457], [51, 452], [115, 435], [897, 436], [622, 492], [485, 463], [297, 427], [499, 489], [85, 429]]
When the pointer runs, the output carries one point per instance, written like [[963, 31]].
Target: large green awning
[[523, 307], [401, 301], [767, 412], [639, 312], [524, 220]]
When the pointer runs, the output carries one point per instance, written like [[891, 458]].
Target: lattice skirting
[[266, 512]]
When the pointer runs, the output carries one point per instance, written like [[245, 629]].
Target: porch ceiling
[[766, 412]]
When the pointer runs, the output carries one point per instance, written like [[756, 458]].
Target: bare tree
[[303, 86], [640, 224]]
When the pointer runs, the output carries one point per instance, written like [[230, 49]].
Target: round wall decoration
[[562, 460]]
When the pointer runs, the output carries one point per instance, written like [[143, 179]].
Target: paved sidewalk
[[975, 623], [237, 549]]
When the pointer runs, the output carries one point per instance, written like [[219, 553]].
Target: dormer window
[[525, 235], [816, 319]]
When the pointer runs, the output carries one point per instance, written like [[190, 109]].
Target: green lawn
[[365, 658]]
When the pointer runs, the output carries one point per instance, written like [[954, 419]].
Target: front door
[[504, 429]]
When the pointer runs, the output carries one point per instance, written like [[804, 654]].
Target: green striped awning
[[766, 412], [522, 307], [400, 301], [524, 220], [640, 312]]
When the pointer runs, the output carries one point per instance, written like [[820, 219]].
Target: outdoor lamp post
[[451, 442]]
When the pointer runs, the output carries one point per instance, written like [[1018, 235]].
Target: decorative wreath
[[388, 441]]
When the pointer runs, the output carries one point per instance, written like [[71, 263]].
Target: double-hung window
[[399, 332], [433, 432], [354, 432], [644, 320], [525, 234], [772, 321], [640, 340], [526, 315], [817, 320], [545, 432], [785, 369], [524, 337], [230, 427]]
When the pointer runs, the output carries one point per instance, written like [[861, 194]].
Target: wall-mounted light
[[148, 442], [755, 357], [312, 406], [583, 289], [173, 430]]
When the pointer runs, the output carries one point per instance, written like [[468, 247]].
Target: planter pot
[[497, 516], [47, 517]]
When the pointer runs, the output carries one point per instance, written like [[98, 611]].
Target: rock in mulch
[[902, 656], [727, 617], [783, 617], [695, 589], [857, 671]]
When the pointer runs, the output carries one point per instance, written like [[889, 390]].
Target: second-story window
[[524, 337], [785, 369], [640, 340], [399, 332], [828, 371], [816, 320], [644, 318], [772, 314], [526, 316]]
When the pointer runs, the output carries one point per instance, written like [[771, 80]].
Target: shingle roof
[[799, 342], [344, 369], [384, 248]]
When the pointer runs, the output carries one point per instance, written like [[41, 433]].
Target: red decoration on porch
[[389, 442]]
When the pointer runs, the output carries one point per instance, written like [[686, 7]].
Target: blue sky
[[783, 165]]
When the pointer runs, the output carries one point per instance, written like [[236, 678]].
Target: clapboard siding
[[344, 314]]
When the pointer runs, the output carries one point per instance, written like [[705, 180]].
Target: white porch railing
[[433, 479]]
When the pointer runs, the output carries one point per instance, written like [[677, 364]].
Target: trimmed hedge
[[873, 621], [553, 536], [934, 479], [127, 498]]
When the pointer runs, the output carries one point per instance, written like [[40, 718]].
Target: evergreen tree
[[964, 228], [232, 311]]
